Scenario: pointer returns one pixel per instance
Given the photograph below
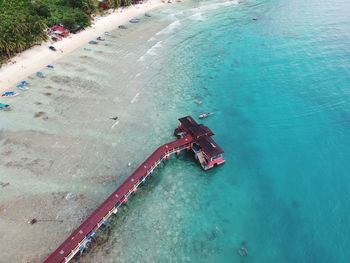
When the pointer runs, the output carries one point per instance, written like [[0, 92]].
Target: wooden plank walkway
[[84, 234]]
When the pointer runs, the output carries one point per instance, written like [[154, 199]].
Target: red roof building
[[59, 31], [206, 150]]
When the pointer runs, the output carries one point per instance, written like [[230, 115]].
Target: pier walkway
[[191, 135], [84, 234]]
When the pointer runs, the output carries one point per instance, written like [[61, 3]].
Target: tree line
[[23, 23]]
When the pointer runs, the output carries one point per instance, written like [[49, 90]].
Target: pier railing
[[78, 241]]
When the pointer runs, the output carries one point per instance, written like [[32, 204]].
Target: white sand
[[36, 58]]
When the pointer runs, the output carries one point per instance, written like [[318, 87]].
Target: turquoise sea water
[[280, 89]]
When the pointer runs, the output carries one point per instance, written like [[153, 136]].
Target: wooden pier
[[190, 136]]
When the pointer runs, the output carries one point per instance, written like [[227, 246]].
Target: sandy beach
[[36, 58], [61, 154]]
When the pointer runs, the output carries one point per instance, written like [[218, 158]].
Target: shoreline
[[61, 154], [32, 60]]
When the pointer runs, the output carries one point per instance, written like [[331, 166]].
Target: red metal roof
[[59, 28], [103, 5], [195, 129], [187, 121], [200, 130], [209, 146]]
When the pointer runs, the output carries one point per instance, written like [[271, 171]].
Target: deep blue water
[[280, 89]]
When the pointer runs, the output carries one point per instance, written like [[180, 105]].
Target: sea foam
[[170, 28], [152, 51]]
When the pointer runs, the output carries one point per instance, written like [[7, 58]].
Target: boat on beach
[[9, 94], [40, 74], [101, 39], [135, 20], [23, 85], [4, 107]]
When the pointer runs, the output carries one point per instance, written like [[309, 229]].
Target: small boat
[[135, 20], [93, 42], [101, 39], [22, 87], [9, 94], [50, 66], [4, 106], [52, 48], [40, 74], [22, 83], [204, 115]]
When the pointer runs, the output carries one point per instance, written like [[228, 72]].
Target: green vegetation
[[20, 28], [23, 23]]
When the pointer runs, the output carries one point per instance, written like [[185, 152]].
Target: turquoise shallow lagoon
[[279, 85]]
